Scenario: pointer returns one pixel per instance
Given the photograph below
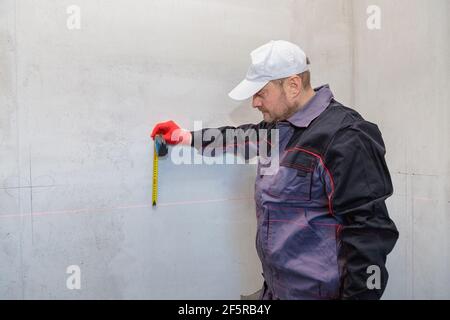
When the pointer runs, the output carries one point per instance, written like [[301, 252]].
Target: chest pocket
[[294, 179]]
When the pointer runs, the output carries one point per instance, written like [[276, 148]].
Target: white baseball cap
[[274, 60]]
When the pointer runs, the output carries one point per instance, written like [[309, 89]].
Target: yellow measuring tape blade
[[155, 176]]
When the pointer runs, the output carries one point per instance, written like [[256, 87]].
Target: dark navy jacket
[[322, 219]]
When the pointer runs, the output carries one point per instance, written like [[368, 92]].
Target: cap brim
[[246, 89]]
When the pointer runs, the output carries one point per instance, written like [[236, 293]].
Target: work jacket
[[323, 229]]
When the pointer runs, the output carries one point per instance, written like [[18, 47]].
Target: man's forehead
[[263, 88]]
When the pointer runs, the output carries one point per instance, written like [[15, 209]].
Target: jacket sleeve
[[362, 183], [242, 140]]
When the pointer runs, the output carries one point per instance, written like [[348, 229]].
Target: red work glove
[[171, 133]]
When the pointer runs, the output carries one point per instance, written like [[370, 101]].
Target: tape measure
[[159, 150], [155, 176]]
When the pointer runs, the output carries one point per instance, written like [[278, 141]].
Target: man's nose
[[256, 103]]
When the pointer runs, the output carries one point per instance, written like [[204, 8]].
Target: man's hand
[[172, 133]]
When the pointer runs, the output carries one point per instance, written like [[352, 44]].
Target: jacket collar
[[313, 108]]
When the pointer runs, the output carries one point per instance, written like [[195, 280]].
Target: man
[[323, 227]]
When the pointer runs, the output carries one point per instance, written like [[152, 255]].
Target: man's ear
[[295, 86]]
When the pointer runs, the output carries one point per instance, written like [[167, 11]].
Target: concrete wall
[[401, 81], [76, 108]]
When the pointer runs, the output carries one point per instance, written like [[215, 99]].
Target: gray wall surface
[[77, 107]]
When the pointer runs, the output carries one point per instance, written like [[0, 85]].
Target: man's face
[[271, 101]]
